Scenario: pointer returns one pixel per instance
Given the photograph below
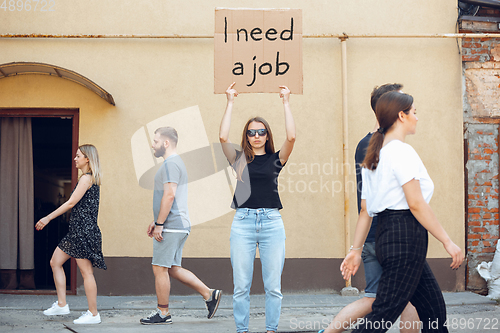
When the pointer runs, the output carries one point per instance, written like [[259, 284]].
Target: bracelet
[[357, 248], [160, 224]]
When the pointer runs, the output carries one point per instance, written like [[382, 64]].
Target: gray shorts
[[168, 252]]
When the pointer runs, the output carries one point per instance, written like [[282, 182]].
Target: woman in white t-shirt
[[397, 188]]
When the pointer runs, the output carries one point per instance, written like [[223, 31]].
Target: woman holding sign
[[257, 221]]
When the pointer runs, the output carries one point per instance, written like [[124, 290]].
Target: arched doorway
[[55, 133]]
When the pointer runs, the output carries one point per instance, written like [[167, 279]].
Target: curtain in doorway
[[16, 202]]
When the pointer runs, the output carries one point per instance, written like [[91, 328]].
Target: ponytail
[[373, 151], [387, 110]]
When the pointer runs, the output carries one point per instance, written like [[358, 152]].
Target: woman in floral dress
[[83, 241]]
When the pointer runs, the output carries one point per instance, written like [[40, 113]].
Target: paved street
[[467, 312]]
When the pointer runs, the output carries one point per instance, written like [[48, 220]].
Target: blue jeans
[[254, 228], [373, 269]]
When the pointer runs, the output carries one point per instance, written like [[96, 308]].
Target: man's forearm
[[165, 206]]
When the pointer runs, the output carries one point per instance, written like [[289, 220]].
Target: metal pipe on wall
[[345, 129], [83, 36]]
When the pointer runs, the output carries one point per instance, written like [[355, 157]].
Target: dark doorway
[[54, 142], [52, 163]]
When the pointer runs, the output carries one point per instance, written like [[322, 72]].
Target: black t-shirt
[[259, 188], [359, 157]]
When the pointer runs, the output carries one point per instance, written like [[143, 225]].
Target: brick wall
[[482, 204], [481, 49], [481, 73], [485, 11]]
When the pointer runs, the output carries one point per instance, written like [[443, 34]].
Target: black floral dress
[[84, 240]]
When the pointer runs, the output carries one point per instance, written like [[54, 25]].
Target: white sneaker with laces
[[88, 318], [55, 309]]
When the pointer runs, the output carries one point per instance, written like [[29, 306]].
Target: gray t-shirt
[[173, 170]]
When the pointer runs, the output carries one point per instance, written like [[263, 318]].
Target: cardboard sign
[[259, 49]]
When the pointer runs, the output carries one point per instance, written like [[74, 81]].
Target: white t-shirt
[[383, 188]]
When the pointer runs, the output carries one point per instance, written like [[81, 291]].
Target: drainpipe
[[348, 290]]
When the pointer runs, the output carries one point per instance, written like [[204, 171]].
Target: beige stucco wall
[[150, 78]]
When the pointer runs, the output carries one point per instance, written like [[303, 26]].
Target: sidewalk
[[300, 313]]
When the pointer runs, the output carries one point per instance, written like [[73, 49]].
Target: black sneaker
[[213, 303], [155, 318]]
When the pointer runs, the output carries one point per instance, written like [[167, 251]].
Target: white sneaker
[[88, 318], [55, 309]]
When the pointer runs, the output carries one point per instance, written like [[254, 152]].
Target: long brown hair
[[246, 148], [379, 91], [387, 111]]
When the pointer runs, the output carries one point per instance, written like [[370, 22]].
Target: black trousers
[[401, 246]]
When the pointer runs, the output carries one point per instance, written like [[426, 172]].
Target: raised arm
[[425, 216], [83, 185], [225, 125], [352, 260], [287, 147]]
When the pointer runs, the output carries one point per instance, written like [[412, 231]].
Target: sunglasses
[[252, 132]]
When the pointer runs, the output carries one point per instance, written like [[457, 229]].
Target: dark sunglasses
[[252, 132]]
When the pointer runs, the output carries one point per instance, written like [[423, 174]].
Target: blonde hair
[[90, 152]]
